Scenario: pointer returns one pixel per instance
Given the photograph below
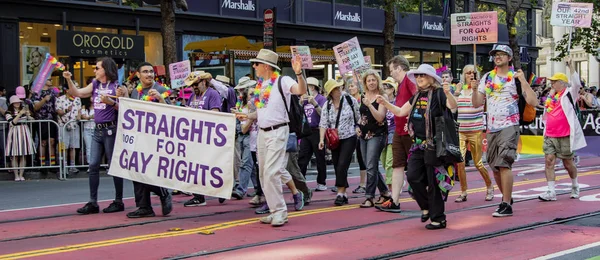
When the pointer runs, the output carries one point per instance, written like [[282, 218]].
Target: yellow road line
[[220, 226]]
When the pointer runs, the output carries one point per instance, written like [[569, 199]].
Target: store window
[[434, 59], [413, 57], [348, 2], [36, 39], [379, 4]]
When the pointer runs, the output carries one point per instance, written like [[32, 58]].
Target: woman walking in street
[[354, 91]]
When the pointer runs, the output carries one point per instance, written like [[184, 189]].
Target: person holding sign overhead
[[103, 91], [149, 90], [500, 88], [269, 96]]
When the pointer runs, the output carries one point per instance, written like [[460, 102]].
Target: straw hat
[[424, 69], [223, 79], [14, 99], [194, 77], [332, 84], [312, 81], [267, 57], [390, 81], [245, 82]]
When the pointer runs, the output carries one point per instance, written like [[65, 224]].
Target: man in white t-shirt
[[274, 130]]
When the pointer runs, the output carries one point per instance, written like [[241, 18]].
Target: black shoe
[[141, 213], [237, 195], [504, 210], [390, 206], [442, 225], [340, 200], [166, 203], [195, 202], [424, 218], [222, 201], [89, 208], [115, 206]]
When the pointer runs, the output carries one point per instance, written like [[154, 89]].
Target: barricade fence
[[76, 138]]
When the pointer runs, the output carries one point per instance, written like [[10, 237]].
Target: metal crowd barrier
[[67, 167], [33, 161]]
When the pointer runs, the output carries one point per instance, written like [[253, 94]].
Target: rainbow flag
[[532, 79]]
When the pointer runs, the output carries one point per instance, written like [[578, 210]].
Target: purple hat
[[20, 92]]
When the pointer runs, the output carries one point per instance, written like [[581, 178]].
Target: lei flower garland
[[264, 90], [164, 95], [552, 101], [491, 86]]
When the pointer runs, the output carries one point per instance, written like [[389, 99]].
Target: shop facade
[[28, 30]]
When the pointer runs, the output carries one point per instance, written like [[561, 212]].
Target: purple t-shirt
[[210, 100], [311, 113], [102, 112], [389, 116]]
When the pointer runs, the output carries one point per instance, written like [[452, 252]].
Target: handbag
[[331, 134], [429, 149], [292, 143], [447, 146]]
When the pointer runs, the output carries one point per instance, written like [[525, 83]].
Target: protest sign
[[474, 28], [572, 14], [304, 52], [178, 71], [348, 55], [175, 147]]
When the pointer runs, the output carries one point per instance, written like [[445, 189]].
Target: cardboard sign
[[474, 28], [304, 52], [572, 14], [175, 147], [349, 55], [178, 71]]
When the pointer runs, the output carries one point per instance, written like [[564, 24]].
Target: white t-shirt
[[274, 112], [502, 106]]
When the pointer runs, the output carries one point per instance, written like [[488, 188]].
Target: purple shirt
[[311, 113], [210, 100], [102, 112]]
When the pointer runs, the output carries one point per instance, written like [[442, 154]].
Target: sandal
[[490, 195], [368, 203], [461, 198], [382, 199]]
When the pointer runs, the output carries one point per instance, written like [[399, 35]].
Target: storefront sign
[[340, 16], [349, 55], [433, 26], [474, 28], [87, 44], [269, 22], [241, 5], [175, 147], [178, 72], [572, 14]]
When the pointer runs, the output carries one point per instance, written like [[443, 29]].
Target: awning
[[283, 56]]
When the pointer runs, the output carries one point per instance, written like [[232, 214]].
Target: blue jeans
[[371, 151], [246, 163], [103, 143], [88, 135]]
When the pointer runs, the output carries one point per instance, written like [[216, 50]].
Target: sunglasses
[[418, 75], [470, 72]]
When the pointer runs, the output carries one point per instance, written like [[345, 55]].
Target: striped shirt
[[469, 117]]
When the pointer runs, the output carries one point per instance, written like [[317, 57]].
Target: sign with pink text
[[304, 52], [572, 14], [474, 28], [348, 55]]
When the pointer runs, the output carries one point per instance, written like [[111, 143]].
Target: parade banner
[[304, 52], [474, 28], [178, 71], [174, 147], [572, 14], [348, 55], [47, 67]]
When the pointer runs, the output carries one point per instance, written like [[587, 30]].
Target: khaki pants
[[474, 140], [272, 161]]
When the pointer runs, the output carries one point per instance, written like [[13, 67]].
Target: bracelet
[[300, 74]]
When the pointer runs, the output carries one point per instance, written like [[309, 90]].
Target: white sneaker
[[548, 196], [321, 187], [575, 192], [279, 220], [576, 159]]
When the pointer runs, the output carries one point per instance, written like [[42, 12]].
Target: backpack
[[527, 112], [577, 111], [349, 100], [298, 122]]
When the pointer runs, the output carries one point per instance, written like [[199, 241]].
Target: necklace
[[491, 86], [150, 98], [552, 101], [262, 93]]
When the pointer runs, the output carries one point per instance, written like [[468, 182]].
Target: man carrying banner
[[101, 90], [274, 130], [148, 90], [205, 97], [563, 134], [499, 86]]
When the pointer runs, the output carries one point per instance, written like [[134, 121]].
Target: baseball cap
[[560, 76]]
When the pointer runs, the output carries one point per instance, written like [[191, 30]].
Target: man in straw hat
[[230, 99], [401, 142], [313, 103], [563, 134], [500, 88], [274, 130]]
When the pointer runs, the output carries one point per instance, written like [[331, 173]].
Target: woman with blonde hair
[[428, 177], [471, 127], [355, 91], [373, 129]]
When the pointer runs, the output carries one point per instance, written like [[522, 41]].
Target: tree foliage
[[587, 38]]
